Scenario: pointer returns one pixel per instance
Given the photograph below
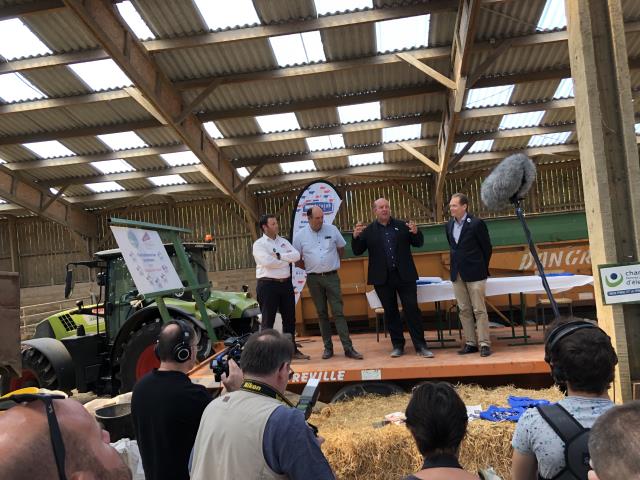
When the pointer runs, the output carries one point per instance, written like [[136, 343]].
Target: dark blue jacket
[[471, 255], [371, 239]]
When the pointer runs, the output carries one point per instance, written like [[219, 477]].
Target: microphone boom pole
[[534, 254]]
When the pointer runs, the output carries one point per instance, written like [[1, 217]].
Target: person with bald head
[[393, 273], [321, 246], [27, 451]]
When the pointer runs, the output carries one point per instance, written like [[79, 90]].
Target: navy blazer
[[470, 256], [370, 239]]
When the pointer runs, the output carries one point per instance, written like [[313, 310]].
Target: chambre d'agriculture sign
[[620, 283]]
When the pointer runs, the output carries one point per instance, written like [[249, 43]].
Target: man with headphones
[[166, 406], [550, 441]]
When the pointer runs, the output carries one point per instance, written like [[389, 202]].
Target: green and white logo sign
[[620, 283]]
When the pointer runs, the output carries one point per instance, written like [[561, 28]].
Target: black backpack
[[575, 438]]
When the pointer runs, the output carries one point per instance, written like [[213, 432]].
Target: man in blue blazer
[[470, 248], [393, 273]]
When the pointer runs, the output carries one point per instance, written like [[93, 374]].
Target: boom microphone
[[509, 182]]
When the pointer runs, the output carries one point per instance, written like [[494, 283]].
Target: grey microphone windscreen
[[511, 179]]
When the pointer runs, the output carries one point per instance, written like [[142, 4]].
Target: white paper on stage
[[436, 292], [147, 260]]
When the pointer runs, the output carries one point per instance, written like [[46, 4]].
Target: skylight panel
[[122, 140], [331, 6], [2, 160], [298, 48], [134, 20], [49, 149], [359, 112], [481, 146], [55, 191], [227, 13], [278, 122], [113, 166], [518, 120], [15, 88], [16, 40], [178, 159], [213, 130], [325, 142], [482, 97], [101, 74], [243, 172], [403, 33], [165, 180], [2, 200], [565, 89], [553, 16], [301, 166], [404, 132], [637, 127], [366, 159], [104, 187], [549, 139]]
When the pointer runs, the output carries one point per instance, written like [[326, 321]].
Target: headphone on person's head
[[557, 334], [182, 349]]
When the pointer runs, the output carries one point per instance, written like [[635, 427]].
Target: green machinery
[[107, 346]]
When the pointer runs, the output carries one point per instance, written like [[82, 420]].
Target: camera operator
[[166, 406], [255, 432]]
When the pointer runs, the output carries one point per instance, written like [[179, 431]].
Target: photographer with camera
[[255, 432], [166, 406]]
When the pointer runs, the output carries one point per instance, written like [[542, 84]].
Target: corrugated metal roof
[[170, 19]]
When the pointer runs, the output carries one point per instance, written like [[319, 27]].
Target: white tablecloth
[[436, 292]]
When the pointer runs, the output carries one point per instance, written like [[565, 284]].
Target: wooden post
[[610, 166], [13, 244]]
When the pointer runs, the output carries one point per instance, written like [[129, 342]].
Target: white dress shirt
[[265, 253], [457, 227], [319, 250]]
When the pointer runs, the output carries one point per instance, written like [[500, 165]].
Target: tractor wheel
[[138, 356], [37, 371]]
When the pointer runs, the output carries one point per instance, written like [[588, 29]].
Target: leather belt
[[323, 273], [281, 280]]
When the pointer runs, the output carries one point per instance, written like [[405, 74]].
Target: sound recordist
[[166, 406]]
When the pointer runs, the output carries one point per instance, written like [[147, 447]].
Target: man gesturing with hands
[[393, 273]]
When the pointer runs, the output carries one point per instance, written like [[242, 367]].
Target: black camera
[[233, 350]]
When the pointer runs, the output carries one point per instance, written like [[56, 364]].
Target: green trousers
[[323, 289]]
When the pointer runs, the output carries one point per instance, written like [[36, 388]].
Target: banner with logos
[[321, 194], [147, 260]]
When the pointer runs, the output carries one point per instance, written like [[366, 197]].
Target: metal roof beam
[[24, 193], [130, 55]]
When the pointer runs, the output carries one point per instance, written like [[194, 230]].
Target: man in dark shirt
[[166, 406], [393, 273]]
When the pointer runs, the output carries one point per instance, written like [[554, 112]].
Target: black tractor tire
[[37, 371], [354, 390], [137, 345]]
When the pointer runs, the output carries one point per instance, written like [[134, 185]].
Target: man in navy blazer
[[470, 248], [393, 273]]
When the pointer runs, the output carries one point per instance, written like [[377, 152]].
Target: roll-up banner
[[324, 195]]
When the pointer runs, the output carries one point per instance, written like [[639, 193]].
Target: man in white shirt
[[321, 246], [274, 256]]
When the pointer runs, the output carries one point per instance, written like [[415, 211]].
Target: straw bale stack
[[358, 450]]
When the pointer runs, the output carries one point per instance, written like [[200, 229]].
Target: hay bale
[[358, 450]]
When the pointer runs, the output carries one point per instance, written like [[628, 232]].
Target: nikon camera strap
[[265, 390]]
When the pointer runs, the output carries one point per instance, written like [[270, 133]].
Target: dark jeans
[[274, 296], [408, 294], [325, 288]]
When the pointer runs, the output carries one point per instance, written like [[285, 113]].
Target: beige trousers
[[470, 298]]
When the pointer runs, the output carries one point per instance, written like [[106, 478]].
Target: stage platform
[[377, 366]]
